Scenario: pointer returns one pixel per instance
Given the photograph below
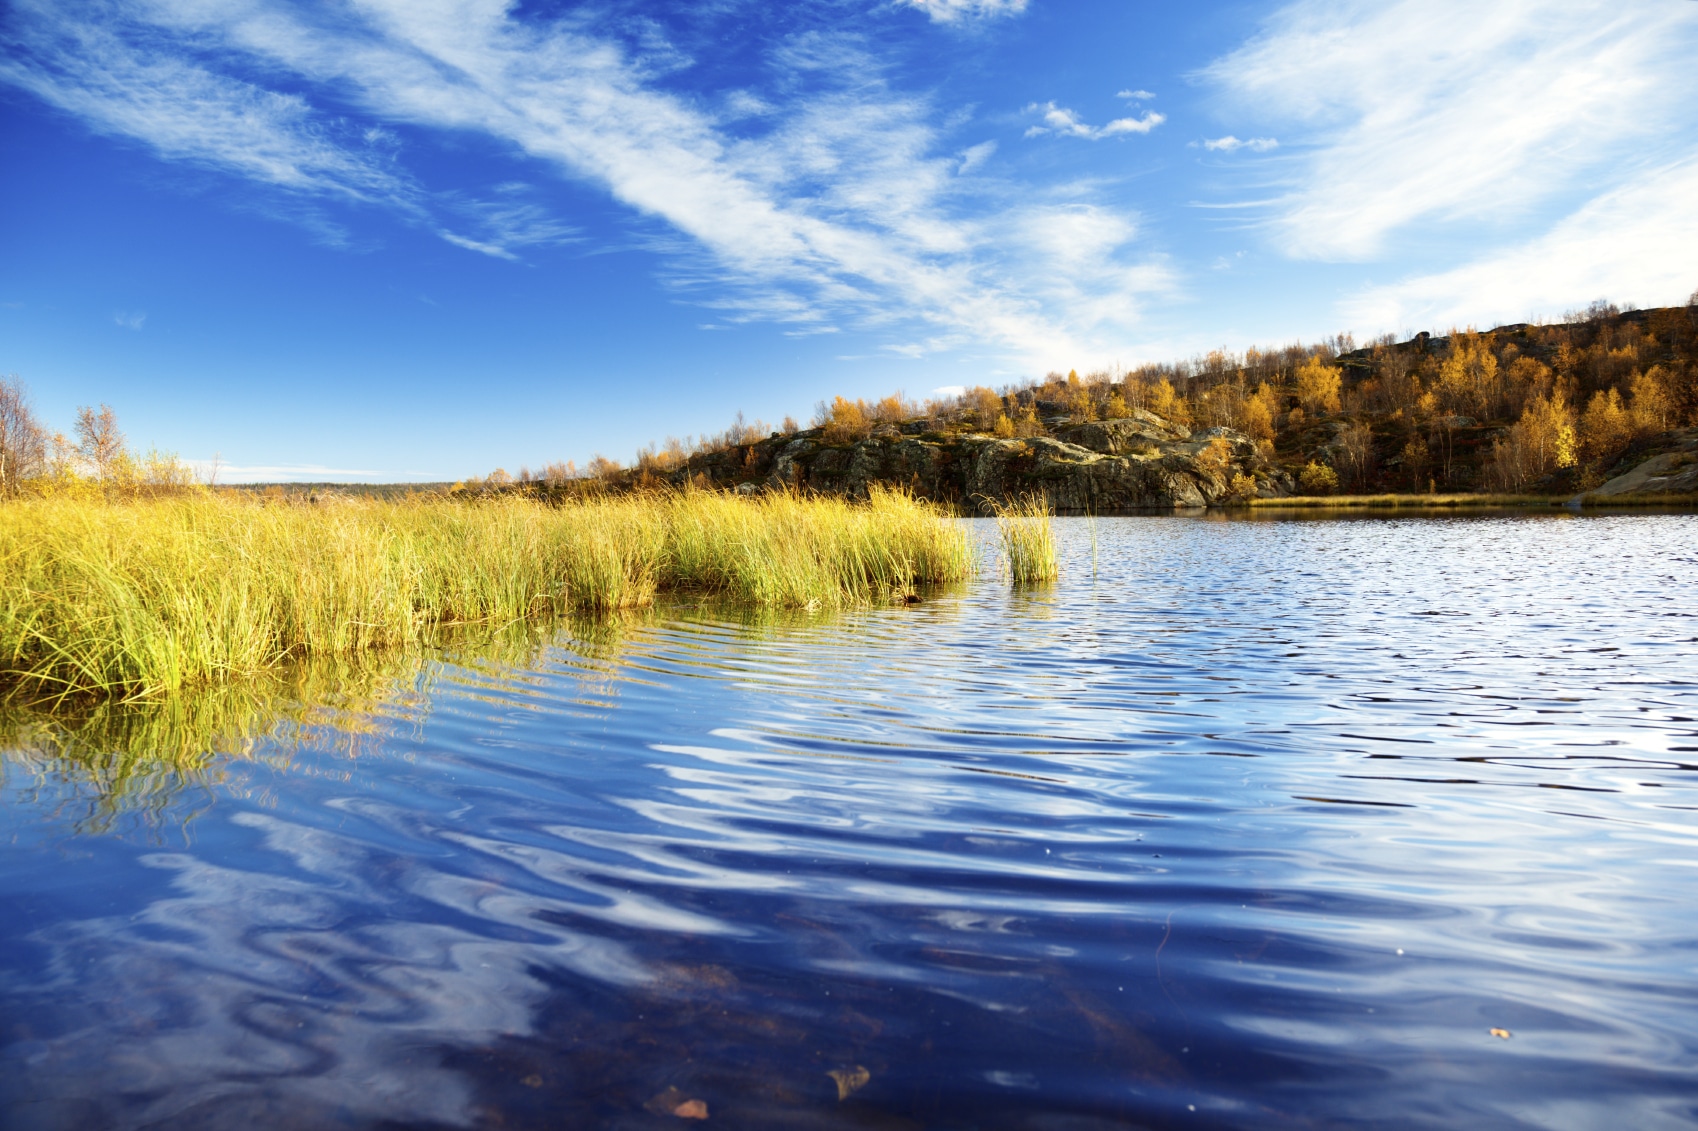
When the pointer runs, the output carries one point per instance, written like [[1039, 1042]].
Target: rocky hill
[[1140, 462]]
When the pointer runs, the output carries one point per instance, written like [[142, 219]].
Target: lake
[[1244, 823]]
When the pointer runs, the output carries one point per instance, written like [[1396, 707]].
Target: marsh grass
[[141, 599], [1028, 539]]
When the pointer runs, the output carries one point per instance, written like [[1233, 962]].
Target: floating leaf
[[1501, 1034], [849, 1080], [674, 1102]]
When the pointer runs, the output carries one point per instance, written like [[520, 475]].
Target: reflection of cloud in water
[[298, 995]]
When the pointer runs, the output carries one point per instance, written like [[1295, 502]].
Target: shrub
[[1318, 479]]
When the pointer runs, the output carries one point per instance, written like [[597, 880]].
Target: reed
[[142, 599], [1028, 539]]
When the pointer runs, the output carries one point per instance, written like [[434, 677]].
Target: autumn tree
[[1653, 406], [984, 406], [99, 442], [1468, 379], [1256, 418], [23, 443], [1356, 449], [844, 420], [1541, 442], [1605, 426], [1168, 404], [1317, 386], [1415, 460]]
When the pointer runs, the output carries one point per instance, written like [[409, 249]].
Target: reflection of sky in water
[[1270, 820]]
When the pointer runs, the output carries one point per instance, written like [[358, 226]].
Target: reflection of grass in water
[[148, 759], [143, 599], [160, 759]]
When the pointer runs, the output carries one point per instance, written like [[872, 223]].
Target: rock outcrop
[[1671, 470], [1103, 467]]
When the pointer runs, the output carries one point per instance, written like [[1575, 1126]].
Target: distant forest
[[1546, 407], [1551, 408]]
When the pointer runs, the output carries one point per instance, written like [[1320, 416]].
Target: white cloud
[[949, 11], [228, 473], [130, 319], [849, 205], [88, 68], [1136, 95], [1230, 144], [1637, 243], [1065, 123], [974, 156], [1420, 112]]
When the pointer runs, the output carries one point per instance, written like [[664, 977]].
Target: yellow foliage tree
[[1605, 427], [1468, 379], [846, 421], [1542, 441], [1317, 386], [1256, 418], [1653, 402], [1169, 405]]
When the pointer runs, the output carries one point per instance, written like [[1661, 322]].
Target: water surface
[[1241, 824]]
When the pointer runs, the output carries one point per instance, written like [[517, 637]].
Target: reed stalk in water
[[141, 599], [1028, 539]]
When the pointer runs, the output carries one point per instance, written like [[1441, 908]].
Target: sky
[[421, 239]]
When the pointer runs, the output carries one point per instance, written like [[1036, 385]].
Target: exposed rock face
[[1673, 471], [1103, 467]]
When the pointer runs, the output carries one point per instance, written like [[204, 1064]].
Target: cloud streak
[[954, 11], [850, 204], [1421, 112], [1230, 144], [1636, 243], [1063, 122]]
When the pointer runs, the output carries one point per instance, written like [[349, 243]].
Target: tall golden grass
[[145, 598], [1028, 539]]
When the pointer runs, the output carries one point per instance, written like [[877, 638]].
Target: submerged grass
[[142, 599], [1028, 539]]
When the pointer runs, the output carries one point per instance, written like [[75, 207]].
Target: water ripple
[[1242, 824]]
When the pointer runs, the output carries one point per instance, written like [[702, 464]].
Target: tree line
[[94, 459]]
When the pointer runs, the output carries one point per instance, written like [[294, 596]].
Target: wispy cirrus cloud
[[848, 204], [1637, 242], [1230, 144], [1063, 122], [951, 11], [1423, 112], [130, 319]]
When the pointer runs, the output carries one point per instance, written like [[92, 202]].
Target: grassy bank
[[1417, 502], [1462, 502], [145, 598]]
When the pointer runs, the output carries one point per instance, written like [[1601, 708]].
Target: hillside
[[1552, 409]]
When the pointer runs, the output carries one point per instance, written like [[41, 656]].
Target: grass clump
[[1028, 539], [141, 599]]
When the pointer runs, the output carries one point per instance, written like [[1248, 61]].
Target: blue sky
[[400, 239]]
